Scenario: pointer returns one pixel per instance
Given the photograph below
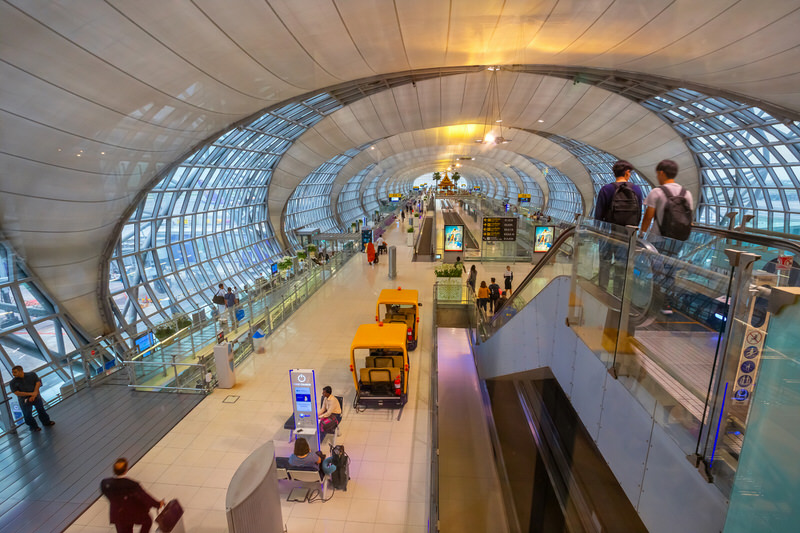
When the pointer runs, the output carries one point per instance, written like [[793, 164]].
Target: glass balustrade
[[676, 323]]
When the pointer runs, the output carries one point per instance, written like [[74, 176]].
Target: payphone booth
[[304, 402]]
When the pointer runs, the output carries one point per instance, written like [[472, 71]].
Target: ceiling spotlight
[[371, 147], [499, 120], [540, 120]]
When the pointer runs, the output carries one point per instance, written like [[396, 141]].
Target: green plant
[[285, 263], [410, 229], [311, 248], [164, 331], [302, 255], [449, 271], [184, 322]]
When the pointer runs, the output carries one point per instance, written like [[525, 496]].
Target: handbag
[[169, 516], [329, 424], [218, 299]]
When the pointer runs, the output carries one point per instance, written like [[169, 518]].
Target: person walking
[[619, 204], [130, 504], [672, 207], [230, 307], [483, 296], [508, 277], [472, 277], [219, 299], [26, 385], [494, 294]]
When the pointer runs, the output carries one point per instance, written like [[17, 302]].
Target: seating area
[[291, 425]]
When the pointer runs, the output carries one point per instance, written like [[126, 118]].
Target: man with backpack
[[672, 208], [494, 295], [619, 204]]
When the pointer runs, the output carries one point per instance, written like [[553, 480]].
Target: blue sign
[[741, 395], [745, 381], [747, 367], [751, 352]]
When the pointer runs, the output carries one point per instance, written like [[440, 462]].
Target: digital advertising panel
[[543, 238], [453, 238]]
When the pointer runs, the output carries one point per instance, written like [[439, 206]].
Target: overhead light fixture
[[492, 102], [540, 120]]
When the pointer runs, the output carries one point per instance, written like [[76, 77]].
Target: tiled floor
[[390, 464]]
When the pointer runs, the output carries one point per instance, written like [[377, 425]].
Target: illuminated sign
[[454, 238], [499, 229], [543, 238], [524, 198]]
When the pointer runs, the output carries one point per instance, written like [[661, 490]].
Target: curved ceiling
[[98, 98], [455, 107]]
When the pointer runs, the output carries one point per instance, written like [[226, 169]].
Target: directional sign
[[499, 229]]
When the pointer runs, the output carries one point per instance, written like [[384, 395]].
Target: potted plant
[[312, 250], [410, 236], [164, 331], [184, 322], [284, 265], [448, 282], [302, 255]]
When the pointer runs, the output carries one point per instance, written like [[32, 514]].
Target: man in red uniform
[[130, 504]]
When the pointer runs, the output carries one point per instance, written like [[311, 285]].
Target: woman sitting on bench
[[302, 455]]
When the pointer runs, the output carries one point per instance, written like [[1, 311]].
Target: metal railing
[[192, 347], [668, 319]]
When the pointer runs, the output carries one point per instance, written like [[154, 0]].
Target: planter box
[[410, 239], [449, 289]]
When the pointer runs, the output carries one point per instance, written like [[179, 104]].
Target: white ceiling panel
[[145, 81]]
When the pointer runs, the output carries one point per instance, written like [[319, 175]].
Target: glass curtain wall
[[36, 335], [532, 188], [748, 159], [349, 206], [206, 221], [598, 163], [564, 200], [310, 203]]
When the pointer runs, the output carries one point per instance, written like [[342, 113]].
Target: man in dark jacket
[[130, 504], [25, 386]]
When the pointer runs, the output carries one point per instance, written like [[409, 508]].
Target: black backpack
[[494, 291], [676, 222], [341, 475], [625, 208]]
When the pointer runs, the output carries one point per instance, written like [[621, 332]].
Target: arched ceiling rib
[[132, 86], [532, 102]]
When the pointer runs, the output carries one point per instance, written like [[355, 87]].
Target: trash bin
[[259, 342]]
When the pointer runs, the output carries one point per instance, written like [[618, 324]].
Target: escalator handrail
[[554, 249], [762, 240]]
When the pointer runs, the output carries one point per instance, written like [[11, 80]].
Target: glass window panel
[[10, 316]]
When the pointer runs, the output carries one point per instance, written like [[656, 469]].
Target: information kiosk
[[223, 357], [304, 402]]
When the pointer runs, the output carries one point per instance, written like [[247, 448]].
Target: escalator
[[595, 399]]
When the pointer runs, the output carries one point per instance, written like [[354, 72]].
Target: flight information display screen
[[499, 229]]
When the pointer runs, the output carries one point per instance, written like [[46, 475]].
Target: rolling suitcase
[[169, 517]]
